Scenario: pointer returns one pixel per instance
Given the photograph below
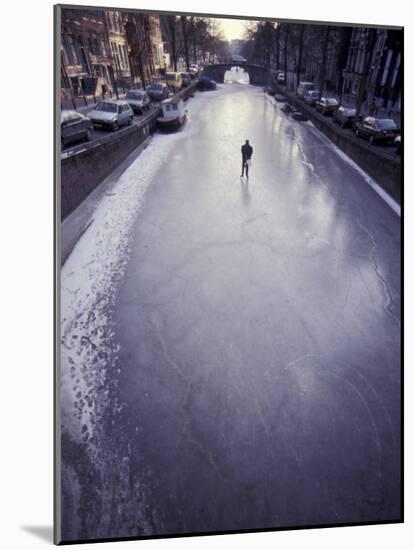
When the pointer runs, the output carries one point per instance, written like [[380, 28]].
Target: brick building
[[107, 51]]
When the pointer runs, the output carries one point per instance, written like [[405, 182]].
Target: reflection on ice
[[236, 74]]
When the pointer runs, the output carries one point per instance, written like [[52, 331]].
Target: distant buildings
[[236, 46], [374, 58], [106, 51]]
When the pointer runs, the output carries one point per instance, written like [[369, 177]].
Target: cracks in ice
[[384, 284], [187, 432], [362, 388]]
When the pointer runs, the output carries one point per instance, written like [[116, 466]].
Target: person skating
[[247, 152]]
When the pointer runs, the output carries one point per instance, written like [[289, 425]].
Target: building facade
[[86, 60], [374, 62], [139, 29], [119, 48], [104, 52]]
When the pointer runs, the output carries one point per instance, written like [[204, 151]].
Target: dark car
[[74, 127], [327, 105], [138, 101], [288, 108], [269, 89], [345, 116], [298, 115], [280, 97], [186, 78], [158, 91], [206, 83], [377, 129], [397, 144]]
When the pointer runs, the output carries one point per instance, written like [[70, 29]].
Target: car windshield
[[107, 107], [350, 112], [331, 101], [385, 124], [135, 95], [157, 87]]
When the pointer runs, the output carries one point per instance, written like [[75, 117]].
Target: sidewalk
[[83, 104]]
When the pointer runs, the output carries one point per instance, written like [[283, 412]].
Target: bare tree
[[300, 49], [322, 71], [173, 35], [185, 39], [370, 38], [285, 49]]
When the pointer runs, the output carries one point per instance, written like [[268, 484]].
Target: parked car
[[174, 81], [157, 91], [206, 83], [377, 129], [304, 87], [280, 97], [74, 127], [281, 78], [193, 69], [397, 144], [327, 105], [186, 79], [311, 97], [111, 114], [138, 101], [288, 108], [345, 116], [298, 115]]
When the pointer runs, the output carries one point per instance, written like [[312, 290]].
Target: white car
[[304, 87], [111, 114], [311, 97], [193, 69], [281, 77]]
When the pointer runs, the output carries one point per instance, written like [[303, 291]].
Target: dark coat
[[246, 151]]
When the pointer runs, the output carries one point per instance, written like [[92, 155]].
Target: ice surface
[[244, 335]]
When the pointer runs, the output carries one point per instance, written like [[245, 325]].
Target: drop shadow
[[43, 532]]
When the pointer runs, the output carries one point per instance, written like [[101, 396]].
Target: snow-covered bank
[[89, 280]]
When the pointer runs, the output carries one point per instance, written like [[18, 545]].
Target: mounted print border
[[228, 347]]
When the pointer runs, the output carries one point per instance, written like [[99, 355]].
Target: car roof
[[67, 114], [115, 101], [172, 100]]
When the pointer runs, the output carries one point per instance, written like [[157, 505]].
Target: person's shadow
[[43, 532], [244, 181]]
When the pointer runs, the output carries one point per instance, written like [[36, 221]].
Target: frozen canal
[[231, 349]]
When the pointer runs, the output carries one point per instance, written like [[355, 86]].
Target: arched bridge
[[259, 76]]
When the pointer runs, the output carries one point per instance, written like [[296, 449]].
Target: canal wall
[[84, 169], [384, 168]]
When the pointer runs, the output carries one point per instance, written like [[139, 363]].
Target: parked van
[[174, 81], [304, 87]]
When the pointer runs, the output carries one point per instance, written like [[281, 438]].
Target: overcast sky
[[232, 28]]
